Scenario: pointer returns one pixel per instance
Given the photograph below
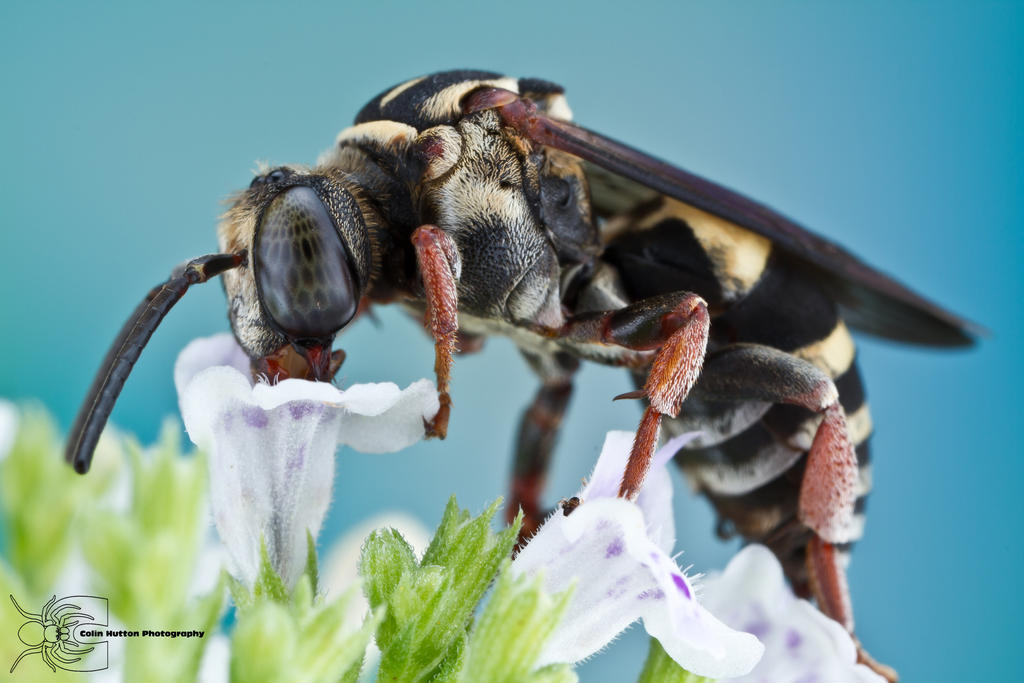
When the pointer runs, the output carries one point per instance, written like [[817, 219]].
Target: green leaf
[[40, 495], [312, 567], [451, 665], [328, 649], [269, 584], [553, 673], [263, 645], [203, 614], [385, 559], [168, 489], [430, 606], [411, 652], [240, 594], [509, 635], [144, 557], [660, 668], [273, 641], [177, 659], [31, 668], [451, 518]]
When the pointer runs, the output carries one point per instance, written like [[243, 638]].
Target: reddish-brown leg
[[538, 432], [746, 372], [828, 584], [826, 506], [830, 478], [673, 373], [535, 441], [674, 327], [439, 264]]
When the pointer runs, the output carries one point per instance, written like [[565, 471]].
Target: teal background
[[894, 128]]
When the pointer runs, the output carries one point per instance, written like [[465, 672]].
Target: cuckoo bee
[[473, 199]]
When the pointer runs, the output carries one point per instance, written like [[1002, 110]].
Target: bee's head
[[309, 264]]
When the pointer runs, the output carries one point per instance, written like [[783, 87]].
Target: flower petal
[[801, 643], [271, 447], [397, 428], [208, 352], [655, 498], [372, 418], [8, 426], [621, 575], [271, 471], [215, 665], [604, 481]]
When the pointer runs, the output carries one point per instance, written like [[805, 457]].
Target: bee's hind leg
[[828, 584], [751, 372], [743, 372], [826, 505]]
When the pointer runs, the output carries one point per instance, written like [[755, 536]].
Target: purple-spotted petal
[[271, 447], [801, 644], [619, 574], [655, 498]]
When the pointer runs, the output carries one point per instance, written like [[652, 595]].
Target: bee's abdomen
[[750, 458], [668, 246], [763, 509]]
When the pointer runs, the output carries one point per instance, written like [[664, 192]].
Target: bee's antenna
[[134, 335]]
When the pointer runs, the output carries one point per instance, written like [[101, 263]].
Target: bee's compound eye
[[304, 274]]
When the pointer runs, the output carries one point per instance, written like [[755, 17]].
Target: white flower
[[617, 554], [801, 643], [215, 665], [271, 447], [8, 426]]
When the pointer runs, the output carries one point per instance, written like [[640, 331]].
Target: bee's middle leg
[[675, 327], [535, 441]]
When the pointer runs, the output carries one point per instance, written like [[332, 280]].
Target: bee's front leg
[[440, 266], [675, 326]]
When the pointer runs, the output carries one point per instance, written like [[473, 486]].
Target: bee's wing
[[621, 176], [870, 300]]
